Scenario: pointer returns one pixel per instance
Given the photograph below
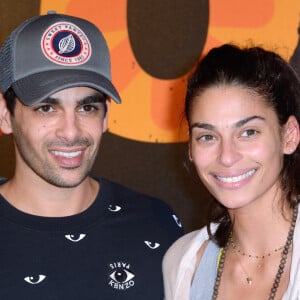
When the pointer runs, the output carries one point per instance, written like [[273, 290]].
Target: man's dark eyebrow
[[49, 100], [237, 124], [94, 98]]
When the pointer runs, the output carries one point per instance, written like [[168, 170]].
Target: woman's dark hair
[[269, 76]]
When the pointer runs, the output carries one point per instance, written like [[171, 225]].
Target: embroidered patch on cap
[[66, 44]]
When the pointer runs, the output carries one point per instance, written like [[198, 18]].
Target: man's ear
[[5, 117], [105, 120], [291, 135]]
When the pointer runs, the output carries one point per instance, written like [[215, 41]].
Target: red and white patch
[[66, 44]]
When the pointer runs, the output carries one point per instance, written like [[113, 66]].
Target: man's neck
[[43, 199]]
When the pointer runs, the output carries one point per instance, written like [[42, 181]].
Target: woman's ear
[[5, 117], [291, 135], [190, 153]]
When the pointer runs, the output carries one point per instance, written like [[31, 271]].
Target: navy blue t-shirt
[[112, 250]]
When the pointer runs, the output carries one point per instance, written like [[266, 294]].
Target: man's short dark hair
[[11, 99]]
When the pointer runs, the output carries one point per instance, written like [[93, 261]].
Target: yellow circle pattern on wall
[[152, 108]]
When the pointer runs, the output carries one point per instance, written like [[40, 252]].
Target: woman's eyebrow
[[246, 120], [237, 124], [202, 125]]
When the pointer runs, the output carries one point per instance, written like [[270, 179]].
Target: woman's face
[[237, 145]]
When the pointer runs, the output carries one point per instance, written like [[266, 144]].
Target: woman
[[242, 107]]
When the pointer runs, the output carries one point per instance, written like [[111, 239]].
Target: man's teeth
[[67, 154], [236, 178]]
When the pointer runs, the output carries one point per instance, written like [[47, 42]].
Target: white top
[[179, 265]]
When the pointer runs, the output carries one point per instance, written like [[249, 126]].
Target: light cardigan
[[179, 265]]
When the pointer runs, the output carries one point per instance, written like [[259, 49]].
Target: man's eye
[[45, 109], [88, 108]]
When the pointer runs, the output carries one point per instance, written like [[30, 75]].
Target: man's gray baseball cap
[[52, 52]]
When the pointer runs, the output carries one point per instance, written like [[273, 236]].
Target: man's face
[[58, 139]]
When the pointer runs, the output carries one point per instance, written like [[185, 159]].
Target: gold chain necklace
[[248, 277], [237, 250], [281, 266]]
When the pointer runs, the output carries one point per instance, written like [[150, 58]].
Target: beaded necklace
[[281, 266]]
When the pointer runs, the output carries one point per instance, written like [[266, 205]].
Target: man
[[63, 233]]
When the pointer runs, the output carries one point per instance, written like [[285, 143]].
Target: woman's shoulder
[[185, 242], [184, 249], [190, 242], [179, 264]]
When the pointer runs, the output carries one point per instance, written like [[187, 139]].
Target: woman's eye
[[249, 132], [206, 138]]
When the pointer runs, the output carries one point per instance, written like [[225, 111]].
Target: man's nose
[[68, 127]]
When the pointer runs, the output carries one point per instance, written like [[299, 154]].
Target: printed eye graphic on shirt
[[36, 279], [177, 221], [114, 208], [121, 276], [152, 245], [75, 237]]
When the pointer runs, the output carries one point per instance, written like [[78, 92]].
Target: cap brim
[[37, 87]]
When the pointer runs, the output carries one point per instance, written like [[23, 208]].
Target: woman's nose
[[229, 153]]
